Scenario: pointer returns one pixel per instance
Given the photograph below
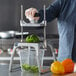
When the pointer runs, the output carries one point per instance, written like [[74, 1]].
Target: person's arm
[[51, 12]]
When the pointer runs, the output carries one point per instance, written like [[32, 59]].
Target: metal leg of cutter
[[43, 52], [11, 60], [53, 52], [37, 57]]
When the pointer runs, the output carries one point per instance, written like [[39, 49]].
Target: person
[[65, 12]]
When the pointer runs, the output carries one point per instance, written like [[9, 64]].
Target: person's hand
[[30, 14]]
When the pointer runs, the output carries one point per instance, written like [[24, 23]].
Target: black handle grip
[[36, 15]]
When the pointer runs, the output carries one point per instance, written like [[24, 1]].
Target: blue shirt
[[65, 12]]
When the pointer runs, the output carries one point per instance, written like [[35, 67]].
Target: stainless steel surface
[[4, 71]]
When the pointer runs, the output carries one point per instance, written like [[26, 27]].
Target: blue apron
[[65, 12]]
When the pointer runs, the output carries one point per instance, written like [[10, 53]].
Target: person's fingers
[[30, 13], [27, 13], [33, 12]]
